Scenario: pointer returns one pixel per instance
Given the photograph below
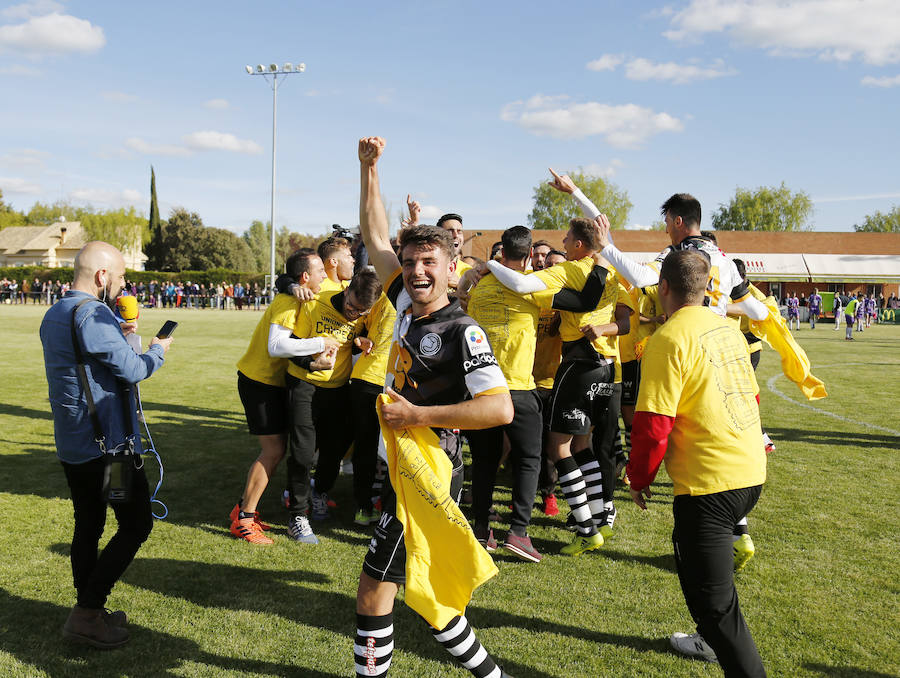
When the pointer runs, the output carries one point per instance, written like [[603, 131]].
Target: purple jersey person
[[814, 304], [793, 307]]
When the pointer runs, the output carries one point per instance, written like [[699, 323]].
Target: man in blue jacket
[[84, 345]]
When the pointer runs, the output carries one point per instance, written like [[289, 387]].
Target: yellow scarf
[[794, 362], [444, 561]]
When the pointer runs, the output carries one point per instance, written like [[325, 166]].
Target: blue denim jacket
[[109, 360]]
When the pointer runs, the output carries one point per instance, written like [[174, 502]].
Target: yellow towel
[[444, 561], [794, 363]]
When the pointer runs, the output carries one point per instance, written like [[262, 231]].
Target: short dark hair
[[542, 243], [366, 287], [496, 247], [426, 236], [298, 263], [710, 235], [450, 216], [741, 267], [583, 230], [557, 253], [687, 272], [683, 205], [516, 243], [331, 245]]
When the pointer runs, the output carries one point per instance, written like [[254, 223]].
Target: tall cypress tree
[[154, 248]]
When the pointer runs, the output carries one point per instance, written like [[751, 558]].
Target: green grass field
[[822, 595]]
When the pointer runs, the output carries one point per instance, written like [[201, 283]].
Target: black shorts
[[581, 392], [265, 406], [386, 557], [631, 380], [754, 358]]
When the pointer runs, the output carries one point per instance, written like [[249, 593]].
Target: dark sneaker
[[485, 537], [605, 524], [89, 626], [571, 523], [692, 645], [116, 618], [522, 548]]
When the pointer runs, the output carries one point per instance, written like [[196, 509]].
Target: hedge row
[[212, 276]]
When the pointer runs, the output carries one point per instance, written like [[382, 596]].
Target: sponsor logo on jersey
[[479, 361], [600, 389], [430, 344], [477, 341]]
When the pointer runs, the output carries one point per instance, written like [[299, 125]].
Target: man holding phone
[[90, 371]]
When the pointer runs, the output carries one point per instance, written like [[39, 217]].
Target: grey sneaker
[[299, 530], [320, 506], [692, 645]]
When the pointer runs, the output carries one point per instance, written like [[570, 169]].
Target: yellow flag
[[794, 362], [444, 561]]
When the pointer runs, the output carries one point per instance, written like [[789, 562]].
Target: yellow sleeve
[[661, 379]]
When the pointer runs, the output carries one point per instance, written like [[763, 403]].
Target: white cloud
[[608, 62], [123, 198], [431, 212], [24, 157], [867, 196], [886, 81], [141, 146], [119, 97], [220, 141], [216, 104], [18, 69], [30, 9], [840, 30], [605, 171], [624, 126], [678, 74], [17, 185], [638, 227], [52, 34]]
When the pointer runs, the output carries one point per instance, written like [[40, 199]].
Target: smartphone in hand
[[167, 329]]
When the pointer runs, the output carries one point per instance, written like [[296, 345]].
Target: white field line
[[770, 384]]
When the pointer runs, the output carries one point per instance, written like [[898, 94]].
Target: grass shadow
[[846, 671], [838, 438]]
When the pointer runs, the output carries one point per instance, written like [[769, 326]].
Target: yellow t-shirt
[[257, 364], [649, 306], [319, 318], [696, 368], [379, 326], [328, 286], [547, 350], [510, 321], [745, 320], [627, 341]]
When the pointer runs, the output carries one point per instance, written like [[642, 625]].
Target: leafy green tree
[[220, 248], [258, 239], [554, 208], [767, 208], [154, 225], [124, 228], [8, 215], [881, 223]]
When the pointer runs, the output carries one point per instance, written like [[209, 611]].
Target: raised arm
[[373, 222], [639, 275], [564, 184]]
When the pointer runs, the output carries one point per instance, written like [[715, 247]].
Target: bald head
[[99, 268]]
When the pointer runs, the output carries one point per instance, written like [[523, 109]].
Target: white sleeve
[[637, 274], [517, 282], [282, 346], [588, 209], [753, 308]]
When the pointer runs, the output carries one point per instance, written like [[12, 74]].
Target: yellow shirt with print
[[379, 324], [547, 350], [257, 364], [696, 368], [320, 318], [510, 321]]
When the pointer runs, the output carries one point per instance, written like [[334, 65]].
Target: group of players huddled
[[533, 357]]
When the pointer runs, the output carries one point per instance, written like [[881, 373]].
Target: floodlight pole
[[287, 70]]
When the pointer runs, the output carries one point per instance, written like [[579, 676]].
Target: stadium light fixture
[[274, 72]]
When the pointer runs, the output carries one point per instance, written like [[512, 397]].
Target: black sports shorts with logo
[[582, 388], [386, 558], [631, 380]]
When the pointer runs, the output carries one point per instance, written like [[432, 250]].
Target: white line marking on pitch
[[770, 384]]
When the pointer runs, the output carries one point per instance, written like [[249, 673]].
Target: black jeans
[[318, 418], [525, 454], [548, 476], [703, 554], [363, 397], [95, 576]]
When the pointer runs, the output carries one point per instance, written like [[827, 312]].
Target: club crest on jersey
[[430, 344], [476, 340]]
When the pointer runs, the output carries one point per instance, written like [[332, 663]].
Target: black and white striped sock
[[571, 482], [459, 639], [374, 644], [593, 480]]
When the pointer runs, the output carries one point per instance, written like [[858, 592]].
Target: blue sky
[[475, 100]]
